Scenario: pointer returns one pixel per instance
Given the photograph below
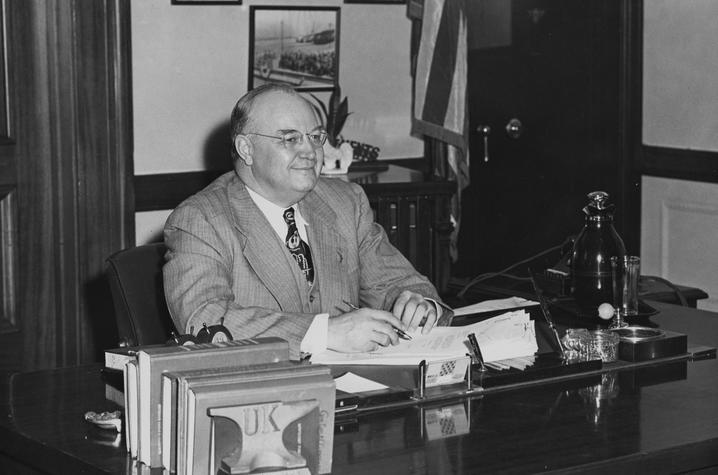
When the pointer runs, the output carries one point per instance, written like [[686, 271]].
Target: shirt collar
[[274, 212]]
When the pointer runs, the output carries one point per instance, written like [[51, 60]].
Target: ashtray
[[635, 334], [639, 343]]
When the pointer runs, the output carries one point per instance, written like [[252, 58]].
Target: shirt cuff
[[315, 340]]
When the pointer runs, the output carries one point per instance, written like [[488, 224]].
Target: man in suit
[[272, 249]]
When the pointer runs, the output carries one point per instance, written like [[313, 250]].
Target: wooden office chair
[[135, 280]]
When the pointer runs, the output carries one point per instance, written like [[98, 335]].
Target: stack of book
[[229, 407]]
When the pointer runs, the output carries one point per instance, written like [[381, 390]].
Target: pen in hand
[[402, 334]]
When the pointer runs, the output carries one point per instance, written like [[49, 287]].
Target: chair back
[[135, 279]]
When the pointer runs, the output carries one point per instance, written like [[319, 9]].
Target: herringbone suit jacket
[[225, 261]]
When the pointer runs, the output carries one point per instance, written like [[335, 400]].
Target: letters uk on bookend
[[254, 421], [153, 361]]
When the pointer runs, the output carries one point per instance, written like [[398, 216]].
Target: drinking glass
[[625, 272]]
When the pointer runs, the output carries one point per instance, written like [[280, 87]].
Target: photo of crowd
[[297, 46]]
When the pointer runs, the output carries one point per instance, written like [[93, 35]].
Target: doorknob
[[485, 130], [514, 128]]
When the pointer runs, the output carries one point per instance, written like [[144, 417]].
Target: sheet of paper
[[505, 336], [353, 383], [489, 305]]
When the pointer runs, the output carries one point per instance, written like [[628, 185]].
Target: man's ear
[[244, 148]]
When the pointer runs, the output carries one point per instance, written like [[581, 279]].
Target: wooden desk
[[657, 419]]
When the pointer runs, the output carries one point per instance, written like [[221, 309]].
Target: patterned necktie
[[299, 249]]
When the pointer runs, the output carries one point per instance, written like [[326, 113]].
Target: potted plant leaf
[[338, 155], [334, 114]]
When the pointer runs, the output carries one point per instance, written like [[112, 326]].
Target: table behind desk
[[501, 286], [656, 419]]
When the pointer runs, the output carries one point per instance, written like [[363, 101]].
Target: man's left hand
[[414, 310]]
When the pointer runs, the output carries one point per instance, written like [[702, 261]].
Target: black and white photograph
[[206, 2], [358, 237], [294, 46]]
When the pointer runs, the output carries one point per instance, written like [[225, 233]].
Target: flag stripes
[[440, 100], [440, 80]]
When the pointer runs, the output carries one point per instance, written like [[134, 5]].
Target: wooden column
[[70, 156]]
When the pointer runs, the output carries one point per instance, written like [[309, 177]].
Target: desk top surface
[[658, 418]]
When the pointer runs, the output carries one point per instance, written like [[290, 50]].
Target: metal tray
[[635, 334]]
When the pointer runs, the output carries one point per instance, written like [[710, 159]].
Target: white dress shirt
[[315, 340]]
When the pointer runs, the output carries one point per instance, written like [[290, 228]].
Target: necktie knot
[[289, 216]]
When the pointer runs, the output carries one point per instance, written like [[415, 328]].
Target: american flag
[[440, 79]]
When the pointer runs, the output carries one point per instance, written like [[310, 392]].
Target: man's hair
[[243, 109]]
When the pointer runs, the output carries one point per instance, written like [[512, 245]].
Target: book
[[153, 361], [116, 358], [173, 397], [131, 407], [263, 406]]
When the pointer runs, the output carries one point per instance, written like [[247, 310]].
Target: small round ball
[[606, 311]]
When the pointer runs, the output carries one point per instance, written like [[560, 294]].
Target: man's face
[[283, 173]]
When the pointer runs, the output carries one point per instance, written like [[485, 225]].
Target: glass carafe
[[591, 276]]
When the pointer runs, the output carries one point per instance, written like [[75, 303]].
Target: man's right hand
[[362, 330]]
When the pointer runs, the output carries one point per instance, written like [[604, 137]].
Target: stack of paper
[[505, 336], [508, 303]]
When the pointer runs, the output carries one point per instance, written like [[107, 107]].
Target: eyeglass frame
[[323, 133]]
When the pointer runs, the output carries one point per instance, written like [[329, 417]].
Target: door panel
[[559, 76], [10, 336], [63, 178], [679, 219]]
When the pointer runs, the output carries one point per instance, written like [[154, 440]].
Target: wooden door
[[65, 155], [554, 73]]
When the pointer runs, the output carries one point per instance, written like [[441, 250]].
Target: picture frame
[[294, 45], [392, 2], [206, 2]]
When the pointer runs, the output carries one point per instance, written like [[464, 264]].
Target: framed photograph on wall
[[298, 46], [206, 2]]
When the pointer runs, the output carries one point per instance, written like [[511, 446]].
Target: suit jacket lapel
[[326, 245], [262, 248]]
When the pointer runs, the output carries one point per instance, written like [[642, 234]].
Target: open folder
[[509, 335]]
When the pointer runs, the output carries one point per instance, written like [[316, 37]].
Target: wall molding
[[162, 191], [166, 190], [694, 165]]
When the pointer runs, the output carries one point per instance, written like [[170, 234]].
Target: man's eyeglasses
[[293, 139]]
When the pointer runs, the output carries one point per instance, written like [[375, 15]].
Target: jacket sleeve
[[385, 272]]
